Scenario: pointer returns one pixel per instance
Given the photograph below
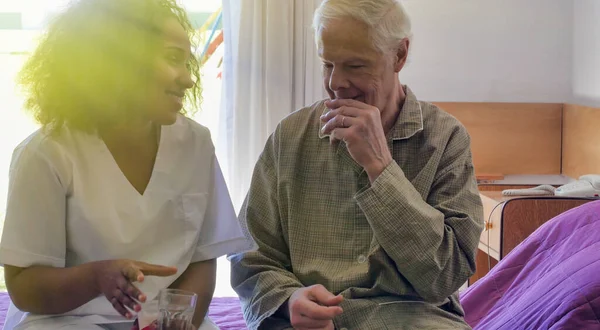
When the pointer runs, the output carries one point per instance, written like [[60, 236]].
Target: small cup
[[176, 309]]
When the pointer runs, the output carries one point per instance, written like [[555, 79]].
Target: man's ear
[[401, 55]]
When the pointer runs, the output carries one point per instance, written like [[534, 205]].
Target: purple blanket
[[4, 303], [225, 312], [550, 281]]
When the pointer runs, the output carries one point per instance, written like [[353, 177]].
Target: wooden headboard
[[522, 216], [512, 138], [581, 140]]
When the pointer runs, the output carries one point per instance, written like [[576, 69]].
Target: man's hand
[[314, 308], [114, 278], [359, 126]]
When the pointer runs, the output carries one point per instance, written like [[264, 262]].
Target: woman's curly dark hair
[[92, 65]]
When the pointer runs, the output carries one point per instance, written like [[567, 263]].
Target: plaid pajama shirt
[[397, 249]]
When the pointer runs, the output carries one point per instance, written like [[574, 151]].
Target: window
[[20, 24]]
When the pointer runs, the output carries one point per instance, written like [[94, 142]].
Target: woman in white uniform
[[118, 195]]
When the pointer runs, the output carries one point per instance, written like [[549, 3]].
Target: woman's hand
[[114, 278]]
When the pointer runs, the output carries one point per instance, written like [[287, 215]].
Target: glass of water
[[176, 309]]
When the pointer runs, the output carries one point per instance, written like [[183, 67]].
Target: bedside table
[[493, 203], [508, 220]]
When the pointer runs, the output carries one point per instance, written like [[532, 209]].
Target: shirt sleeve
[[220, 233], [432, 241], [263, 279], [34, 228]]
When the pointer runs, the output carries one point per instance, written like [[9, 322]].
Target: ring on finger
[[343, 124]]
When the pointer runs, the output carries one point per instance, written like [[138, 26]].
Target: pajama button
[[361, 260]]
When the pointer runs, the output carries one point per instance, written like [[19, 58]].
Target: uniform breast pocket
[[194, 209]]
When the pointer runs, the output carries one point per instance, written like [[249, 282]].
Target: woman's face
[[171, 75]]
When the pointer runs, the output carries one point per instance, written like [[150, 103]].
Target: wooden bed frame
[[514, 219], [530, 138], [525, 139], [536, 211]]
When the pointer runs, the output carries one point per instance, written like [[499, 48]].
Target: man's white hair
[[387, 20]]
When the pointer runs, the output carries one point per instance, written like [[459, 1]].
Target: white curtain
[[271, 68]]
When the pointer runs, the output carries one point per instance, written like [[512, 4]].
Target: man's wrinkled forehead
[[344, 40]]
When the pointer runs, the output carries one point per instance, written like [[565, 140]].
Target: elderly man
[[364, 207]]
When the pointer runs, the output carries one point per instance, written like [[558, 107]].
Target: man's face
[[353, 68]]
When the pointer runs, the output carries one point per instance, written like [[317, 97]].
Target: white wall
[[586, 53], [491, 50]]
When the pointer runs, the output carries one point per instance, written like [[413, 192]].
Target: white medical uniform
[[70, 204]]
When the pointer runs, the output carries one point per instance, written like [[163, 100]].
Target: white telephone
[[586, 186]]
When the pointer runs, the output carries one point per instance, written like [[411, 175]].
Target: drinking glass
[[176, 309]]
